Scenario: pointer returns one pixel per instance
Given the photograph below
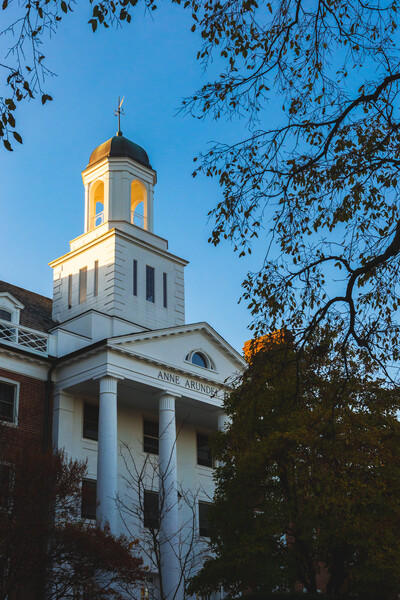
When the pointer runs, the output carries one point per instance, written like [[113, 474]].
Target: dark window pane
[[135, 278], [199, 360], [88, 505], [150, 284], [5, 315], [150, 436], [164, 290], [204, 523], [151, 516], [150, 428], [5, 486], [91, 422], [7, 402], [204, 457]]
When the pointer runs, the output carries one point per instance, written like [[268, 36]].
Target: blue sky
[[152, 62]]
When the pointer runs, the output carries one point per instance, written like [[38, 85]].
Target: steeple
[[118, 268], [119, 182]]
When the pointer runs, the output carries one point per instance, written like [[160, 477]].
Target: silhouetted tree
[[310, 477], [144, 509]]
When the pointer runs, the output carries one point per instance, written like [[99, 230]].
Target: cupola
[[119, 182]]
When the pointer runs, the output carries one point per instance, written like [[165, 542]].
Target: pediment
[[9, 301], [172, 347]]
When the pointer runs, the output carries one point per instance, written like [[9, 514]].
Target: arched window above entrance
[[200, 359]]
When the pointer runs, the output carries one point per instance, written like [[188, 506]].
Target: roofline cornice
[[116, 233]]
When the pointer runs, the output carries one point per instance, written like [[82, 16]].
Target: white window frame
[[11, 305], [16, 402], [210, 364]]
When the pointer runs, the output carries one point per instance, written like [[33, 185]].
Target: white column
[[107, 453], [223, 422], [168, 495]]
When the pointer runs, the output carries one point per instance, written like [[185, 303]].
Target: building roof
[[120, 147], [36, 313]]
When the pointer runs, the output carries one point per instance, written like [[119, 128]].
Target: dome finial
[[119, 112]]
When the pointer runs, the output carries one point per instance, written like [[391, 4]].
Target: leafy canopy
[[310, 478]]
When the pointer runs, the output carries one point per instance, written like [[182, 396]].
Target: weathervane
[[119, 112]]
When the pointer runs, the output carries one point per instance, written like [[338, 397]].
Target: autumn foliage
[[46, 549]]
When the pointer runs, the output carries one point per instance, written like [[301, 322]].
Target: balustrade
[[18, 335]]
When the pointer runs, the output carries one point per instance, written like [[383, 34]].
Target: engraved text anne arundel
[[187, 383]]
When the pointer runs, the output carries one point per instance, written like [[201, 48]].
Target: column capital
[[108, 383], [166, 401]]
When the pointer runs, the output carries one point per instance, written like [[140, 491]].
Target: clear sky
[[152, 62]]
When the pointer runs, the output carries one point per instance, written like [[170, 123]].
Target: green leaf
[[64, 6]]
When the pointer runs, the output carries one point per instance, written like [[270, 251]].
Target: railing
[[17, 335], [98, 219], [138, 220]]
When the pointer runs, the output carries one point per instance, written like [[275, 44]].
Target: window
[[88, 503], [6, 481], [5, 315], [204, 523], [151, 512], [150, 436], [134, 287], [204, 457], [69, 291], [82, 285], [96, 278], [150, 284], [8, 402], [91, 421], [164, 290], [199, 359]]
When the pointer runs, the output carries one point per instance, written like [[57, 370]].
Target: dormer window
[[200, 359], [10, 308]]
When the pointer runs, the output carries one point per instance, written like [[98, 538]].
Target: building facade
[[136, 391]]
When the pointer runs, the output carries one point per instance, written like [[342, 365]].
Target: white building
[[130, 376]]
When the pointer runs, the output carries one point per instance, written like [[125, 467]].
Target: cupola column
[[150, 196], [168, 498], [87, 207]]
